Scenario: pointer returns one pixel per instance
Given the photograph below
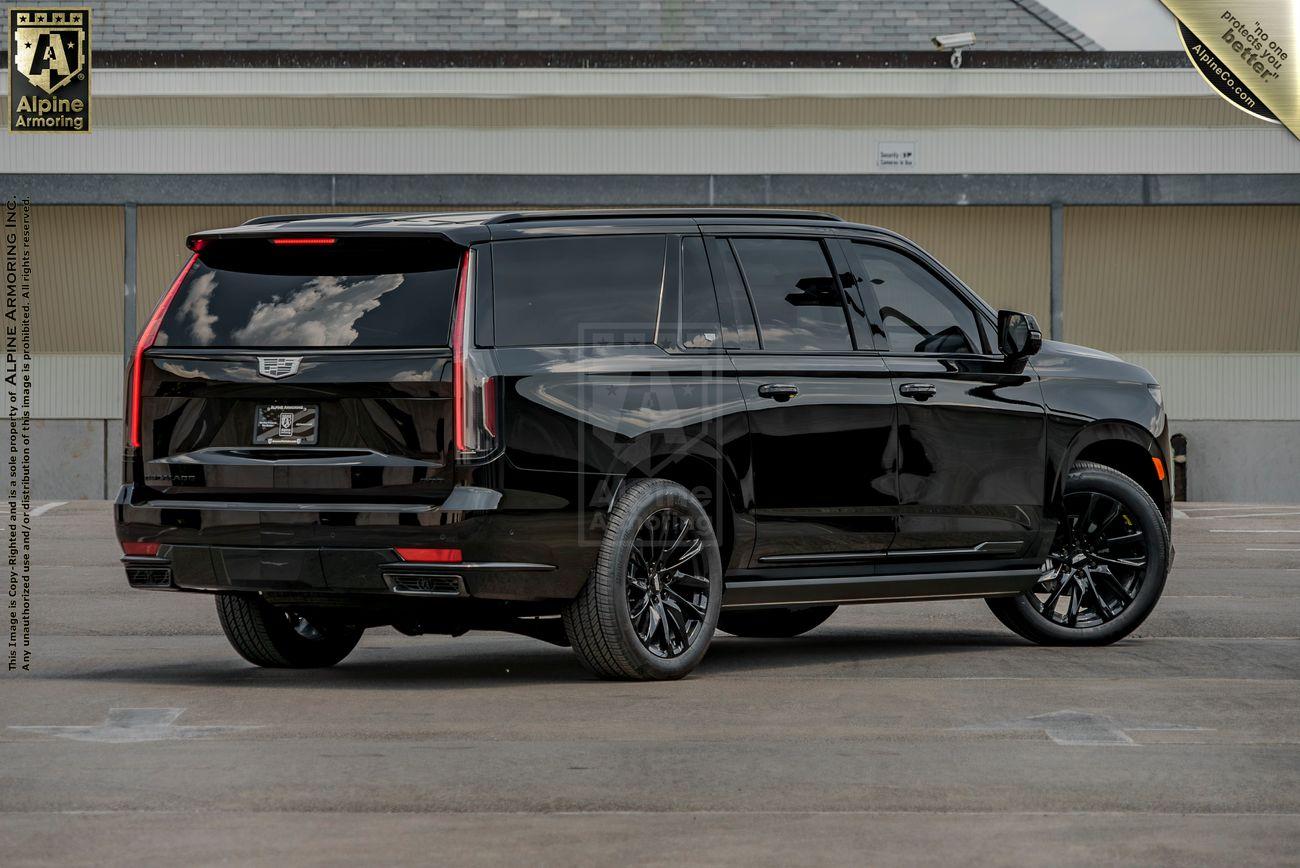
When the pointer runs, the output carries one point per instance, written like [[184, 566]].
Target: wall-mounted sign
[[896, 155]]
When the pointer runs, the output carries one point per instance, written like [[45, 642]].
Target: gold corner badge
[[49, 70], [1246, 51]]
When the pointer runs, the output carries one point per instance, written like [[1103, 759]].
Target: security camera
[[954, 42]]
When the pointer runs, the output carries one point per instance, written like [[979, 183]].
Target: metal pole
[[1058, 272], [128, 280]]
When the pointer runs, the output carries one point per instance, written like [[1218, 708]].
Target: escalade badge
[[278, 367]]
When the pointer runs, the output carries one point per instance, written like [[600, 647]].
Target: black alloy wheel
[[650, 606], [1106, 568], [667, 583], [1097, 565]]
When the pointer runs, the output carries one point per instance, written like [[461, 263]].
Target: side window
[[742, 333], [698, 327], [585, 290], [919, 313], [798, 300]]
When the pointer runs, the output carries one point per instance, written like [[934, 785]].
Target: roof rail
[[293, 218], [598, 214]]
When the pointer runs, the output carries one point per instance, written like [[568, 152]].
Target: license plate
[[286, 425]]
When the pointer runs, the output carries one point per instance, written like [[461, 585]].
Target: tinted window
[[699, 306], [250, 295], [797, 297], [920, 314], [742, 333], [588, 290]]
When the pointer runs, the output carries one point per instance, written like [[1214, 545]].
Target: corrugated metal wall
[[1183, 279], [77, 257], [1003, 253], [1171, 288]]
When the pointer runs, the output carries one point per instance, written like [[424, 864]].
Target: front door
[[821, 411], [971, 425]]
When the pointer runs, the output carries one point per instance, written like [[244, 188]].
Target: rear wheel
[[281, 638], [1107, 566], [649, 609], [774, 623]]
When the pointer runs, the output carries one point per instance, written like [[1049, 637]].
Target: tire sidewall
[[1141, 507], [620, 541]]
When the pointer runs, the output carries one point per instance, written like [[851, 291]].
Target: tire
[[638, 617], [1103, 596], [279, 639], [774, 623]]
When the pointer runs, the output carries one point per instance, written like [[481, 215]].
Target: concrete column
[[129, 325], [1058, 271]]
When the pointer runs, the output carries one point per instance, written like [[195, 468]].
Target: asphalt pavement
[[918, 733]]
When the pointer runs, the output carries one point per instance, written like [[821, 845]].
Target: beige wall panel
[[77, 260], [658, 111], [1003, 253], [1195, 279]]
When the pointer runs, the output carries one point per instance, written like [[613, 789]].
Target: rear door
[[971, 425], [821, 410], [303, 373]]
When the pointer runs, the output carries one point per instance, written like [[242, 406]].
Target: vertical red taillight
[[473, 382], [147, 337]]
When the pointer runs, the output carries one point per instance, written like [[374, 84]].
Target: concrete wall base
[[1241, 461]]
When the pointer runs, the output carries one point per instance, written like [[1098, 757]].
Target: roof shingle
[[578, 25]]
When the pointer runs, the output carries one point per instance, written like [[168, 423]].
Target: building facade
[[1112, 195]]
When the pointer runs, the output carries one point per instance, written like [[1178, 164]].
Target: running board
[[877, 589]]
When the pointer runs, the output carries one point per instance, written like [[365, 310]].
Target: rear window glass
[[363, 294], [591, 290]]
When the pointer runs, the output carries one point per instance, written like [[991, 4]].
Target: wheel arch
[[1122, 446], [718, 492]]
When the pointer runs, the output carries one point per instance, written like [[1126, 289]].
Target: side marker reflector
[[1160, 468]]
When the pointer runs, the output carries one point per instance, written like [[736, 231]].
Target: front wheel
[[650, 606], [282, 639], [1107, 566]]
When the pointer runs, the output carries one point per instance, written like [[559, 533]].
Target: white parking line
[[1253, 530], [1247, 515], [41, 510], [1292, 549], [1241, 506]]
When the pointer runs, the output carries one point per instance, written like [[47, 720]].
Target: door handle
[[779, 392], [919, 391]]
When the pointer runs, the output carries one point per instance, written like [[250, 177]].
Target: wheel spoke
[[1113, 583], [687, 607], [666, 625], [1103, 608], [1125, 538], [1050, 605], [689, 580], [694, 549], [1076, 597], [1110, 517], [676, 620], [639, 557], [686, 527], [1131, 563]]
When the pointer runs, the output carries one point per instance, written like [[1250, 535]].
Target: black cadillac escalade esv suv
[[621, 431]]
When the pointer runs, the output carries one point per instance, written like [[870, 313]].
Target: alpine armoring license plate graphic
[[286, 425]]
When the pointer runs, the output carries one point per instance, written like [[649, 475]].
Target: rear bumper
[[342, 571], [341, 549]]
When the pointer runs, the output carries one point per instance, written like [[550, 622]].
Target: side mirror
[[1018, 334]]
